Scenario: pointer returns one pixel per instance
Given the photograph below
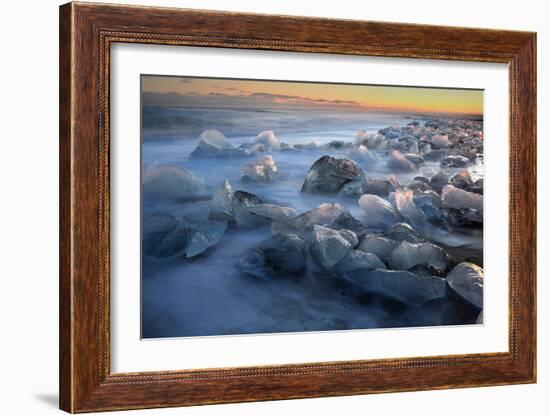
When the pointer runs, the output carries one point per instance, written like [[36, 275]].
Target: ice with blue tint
[[208, 295]]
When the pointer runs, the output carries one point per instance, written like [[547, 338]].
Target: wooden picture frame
[[86, 33]]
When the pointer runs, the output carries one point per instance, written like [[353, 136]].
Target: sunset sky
[[214, 92]]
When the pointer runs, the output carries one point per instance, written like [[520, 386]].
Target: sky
[[217, 92]]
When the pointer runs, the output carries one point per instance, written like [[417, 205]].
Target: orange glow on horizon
[[227, 92]]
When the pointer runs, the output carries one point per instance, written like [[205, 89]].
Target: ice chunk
[[329, 246], [379, 213], [466, 279], [460, 199], [159, 239], [360, 137], [263, 170], [268, 138], [440, 141], [358, 259], [333, 215], [203, 235], [399, 162], [222, 200], [378, 245], [262, 214], [407, 255], [362, 154], [171, 183], [164, 236], [407, 208], [403, 286], [213, 144]]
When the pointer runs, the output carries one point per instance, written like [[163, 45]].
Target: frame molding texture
[[86, 33]]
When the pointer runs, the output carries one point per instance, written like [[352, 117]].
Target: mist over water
[[208, 295], [188, 123]]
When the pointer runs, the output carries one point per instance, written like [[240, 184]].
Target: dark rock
[[336, 144], [390, 133], [422, 179], [462, 180], [329, 175], [311, 146], [435, 155], [418, 186], [254, 263], [478, 188], [403, 232], [275, 257], [242, 198], [353, 188], [286, 253], [454, 161], [379, 187], [439, 181], [414, 159], [160, 238]]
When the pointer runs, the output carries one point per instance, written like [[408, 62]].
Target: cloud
[[244, 99]]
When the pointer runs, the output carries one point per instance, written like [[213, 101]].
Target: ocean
[[208, 295]]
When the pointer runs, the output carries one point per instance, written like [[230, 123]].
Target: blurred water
[[209, 296], [188, 123]]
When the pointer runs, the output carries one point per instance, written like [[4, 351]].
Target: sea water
[[208, 295]]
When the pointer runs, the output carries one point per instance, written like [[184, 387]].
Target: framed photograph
[[260, 207]]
